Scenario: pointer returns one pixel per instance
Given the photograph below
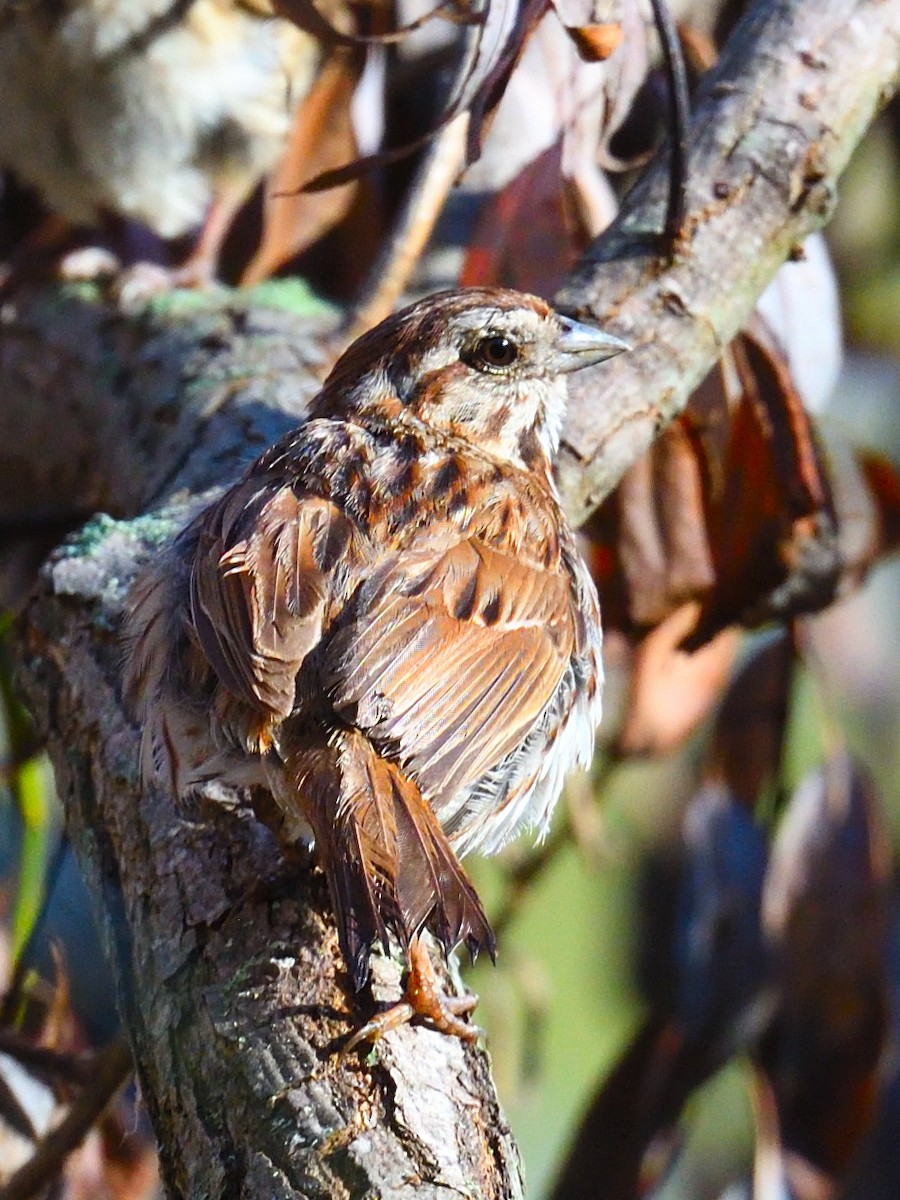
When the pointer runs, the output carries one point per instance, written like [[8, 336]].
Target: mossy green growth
[[292, 294], [86, 540], [179, 302], [157, 527]]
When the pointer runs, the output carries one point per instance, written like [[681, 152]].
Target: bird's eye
[[493, 353]]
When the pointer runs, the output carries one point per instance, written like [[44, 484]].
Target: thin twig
[[679, 113], [45, 1062], [113, 1066], [389, 278]]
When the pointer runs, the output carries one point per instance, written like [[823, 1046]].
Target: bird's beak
[[583, 345]]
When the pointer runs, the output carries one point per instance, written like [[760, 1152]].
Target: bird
[[387, 625], [163, 112]]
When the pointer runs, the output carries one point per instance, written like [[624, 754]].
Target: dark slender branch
[[112, 1068], [679, 114], [48, 1064]]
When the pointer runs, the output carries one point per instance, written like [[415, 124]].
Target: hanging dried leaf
[[523, 237], [670, 692], [746, 747], [647, 545], [825, 915], [555, 101], [322, 136], [866, 496], [883, 480], [774, 543], [495, 33], [742, 505], [718, 950]]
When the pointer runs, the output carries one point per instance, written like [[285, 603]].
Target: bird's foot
[[145, 281], [425, 998], [89, 264]]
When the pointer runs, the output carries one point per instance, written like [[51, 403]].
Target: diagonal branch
[[774, 126]]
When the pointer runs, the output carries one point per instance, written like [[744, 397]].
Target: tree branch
[[776, 121], [230, 977], [111, 1069]]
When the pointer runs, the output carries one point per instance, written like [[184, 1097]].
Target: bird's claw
[[423, 998]]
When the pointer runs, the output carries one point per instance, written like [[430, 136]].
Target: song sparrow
[[386, 621], [163, 112]]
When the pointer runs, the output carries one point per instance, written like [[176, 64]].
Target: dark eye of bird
[[493, 353]]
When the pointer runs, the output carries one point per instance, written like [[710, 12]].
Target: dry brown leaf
[[746, 746], [742, 505], [495, 33], [523, 238], [670, 692], [322, 136], [825, 915]]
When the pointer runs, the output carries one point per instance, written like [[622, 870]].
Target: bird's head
[[487, 365]]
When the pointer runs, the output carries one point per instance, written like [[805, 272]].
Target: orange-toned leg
[[143, 280], [424, 997]]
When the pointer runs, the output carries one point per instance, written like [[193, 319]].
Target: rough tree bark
[[225, 957]]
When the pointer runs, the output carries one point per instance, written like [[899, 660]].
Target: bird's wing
[[451, 653], [260, 585]]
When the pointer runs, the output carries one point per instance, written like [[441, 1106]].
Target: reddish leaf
[[670, 692], [772, 529], [883, 480], [740, 505], [322, 135], [523, 237]]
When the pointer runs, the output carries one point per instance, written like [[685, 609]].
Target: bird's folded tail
[[390, 868]]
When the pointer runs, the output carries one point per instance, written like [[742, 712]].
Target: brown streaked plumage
[[386, 620]]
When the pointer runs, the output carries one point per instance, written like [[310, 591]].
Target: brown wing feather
[[452, 652], [390, 868], [259, 588]]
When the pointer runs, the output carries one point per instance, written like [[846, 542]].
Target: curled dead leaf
[[825, 916]]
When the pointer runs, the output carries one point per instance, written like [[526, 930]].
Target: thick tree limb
[[230, 977], [776, 122]]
